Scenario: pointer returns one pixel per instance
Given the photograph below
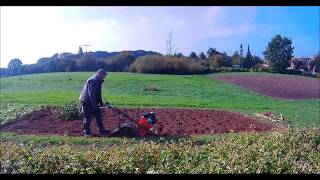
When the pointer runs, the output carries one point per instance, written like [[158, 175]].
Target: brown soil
[[283, 87], [181, 122]]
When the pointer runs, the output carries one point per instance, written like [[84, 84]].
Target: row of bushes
[[185, 65], [287, 151], [167, 65]]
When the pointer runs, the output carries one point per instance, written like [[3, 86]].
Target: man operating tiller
[[90, 99]]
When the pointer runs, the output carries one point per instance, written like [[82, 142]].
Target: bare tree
[[170, 44]]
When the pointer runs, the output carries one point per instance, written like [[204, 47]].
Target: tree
[[279, 53], [65, 55], [257, 60], [14, 67], [3, 72], [170, 44], [236, 58], [211, 52], [193, 56], [43, 60], [178, 55], [80, 51], [121, 62], [227, 59], [248, 61], [87, 63], [68, 65], [202, 56], [33, 68], [219, 60], [241, 56], [314, 64]]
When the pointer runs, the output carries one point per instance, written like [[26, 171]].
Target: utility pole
[[86, 45]]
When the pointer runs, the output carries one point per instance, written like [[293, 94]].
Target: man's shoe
[[104, 132], [87, 134]]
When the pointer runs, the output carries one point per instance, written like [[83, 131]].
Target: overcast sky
[[29, 33]]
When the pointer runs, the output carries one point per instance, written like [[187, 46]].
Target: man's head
[[101, 73]]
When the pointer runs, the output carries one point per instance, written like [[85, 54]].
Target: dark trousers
[[88, 112]]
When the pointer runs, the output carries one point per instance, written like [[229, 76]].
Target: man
[[90, 99]]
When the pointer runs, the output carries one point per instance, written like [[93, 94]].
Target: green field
[[177, 91]]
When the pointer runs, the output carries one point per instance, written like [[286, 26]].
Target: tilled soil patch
[[170, 122], [283, 87]]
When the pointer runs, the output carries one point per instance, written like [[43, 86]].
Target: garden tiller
[[133, 128]]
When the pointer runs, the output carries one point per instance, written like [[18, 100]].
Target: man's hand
[[100, 105], [154, 131], [110, 105], [107, 103]]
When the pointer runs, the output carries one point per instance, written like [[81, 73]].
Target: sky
[[30, 33]]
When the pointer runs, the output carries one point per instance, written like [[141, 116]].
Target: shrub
[[292, 71], [120, 62], [70, 111], [167, 65], [218, 61], [151, 88], [230, 69], [9, 112]]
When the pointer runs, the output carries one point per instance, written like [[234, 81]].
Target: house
[[303, 64], [236, 66]]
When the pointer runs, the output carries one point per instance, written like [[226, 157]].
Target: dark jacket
[[91, 92]]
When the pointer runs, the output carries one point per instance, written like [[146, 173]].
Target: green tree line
[[277, 57]]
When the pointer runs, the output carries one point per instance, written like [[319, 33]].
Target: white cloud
[[212, 14], [144, 20]]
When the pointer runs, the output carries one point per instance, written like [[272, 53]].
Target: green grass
[[178, 91], [46, 140]]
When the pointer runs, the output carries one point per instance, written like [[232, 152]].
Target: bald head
[[101, 73]]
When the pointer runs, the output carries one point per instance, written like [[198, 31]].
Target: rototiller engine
[[141, 127]]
